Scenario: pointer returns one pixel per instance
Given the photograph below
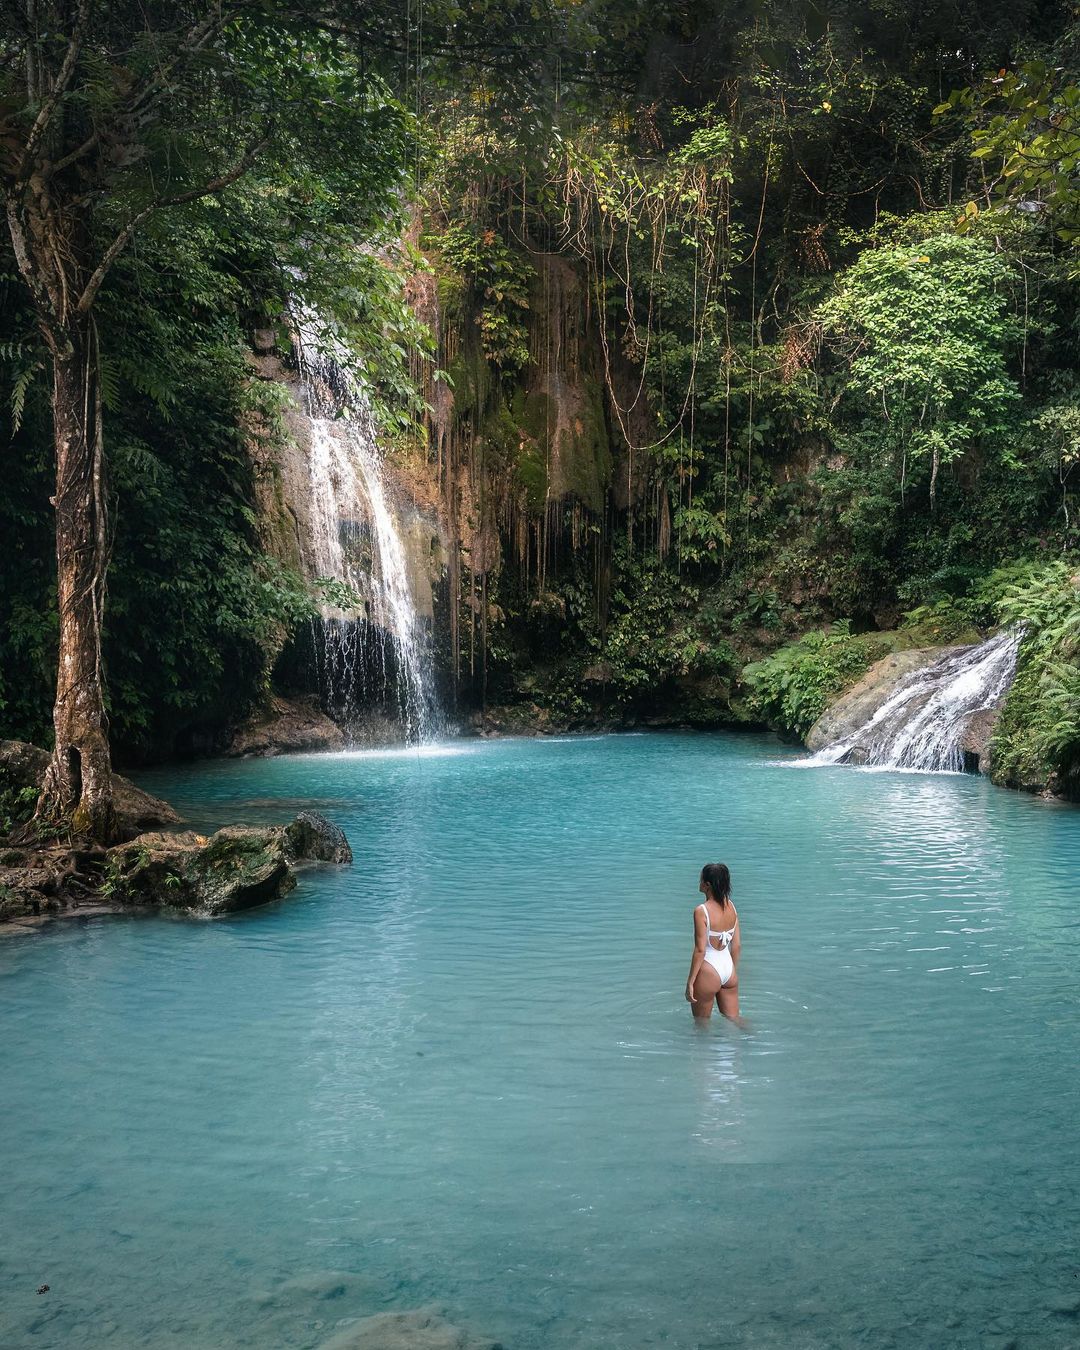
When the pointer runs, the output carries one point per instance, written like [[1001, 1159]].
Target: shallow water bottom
[[461, 1074]]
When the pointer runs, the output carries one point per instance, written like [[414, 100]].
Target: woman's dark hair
[[718, 879]]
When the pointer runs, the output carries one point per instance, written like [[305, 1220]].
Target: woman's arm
[[736, 942], [699, 953]]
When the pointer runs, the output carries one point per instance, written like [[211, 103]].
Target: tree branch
[[63, 79], [195, 39], [128, 232], [67, 160], [43, 301]]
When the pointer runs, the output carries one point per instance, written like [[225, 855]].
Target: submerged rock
[[420, 1329], [23, 766], [285, 727]]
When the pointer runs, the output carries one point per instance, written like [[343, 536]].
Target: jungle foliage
[[174, 176], [838, 389], [746, 336]]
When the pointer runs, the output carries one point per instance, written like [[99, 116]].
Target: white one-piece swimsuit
[[719, 958]]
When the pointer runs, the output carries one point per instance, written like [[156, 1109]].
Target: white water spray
[[380, 651], [922, 724]]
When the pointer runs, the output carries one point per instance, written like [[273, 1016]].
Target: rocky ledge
[[154, 866], [854, 709], [237, 868], [285, 727]]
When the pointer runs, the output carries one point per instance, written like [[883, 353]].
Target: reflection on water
[[462, 1073]]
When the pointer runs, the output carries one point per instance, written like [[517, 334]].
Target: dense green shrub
[[1038, 734], [792, 688]]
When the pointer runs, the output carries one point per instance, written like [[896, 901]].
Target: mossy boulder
[[313, 838], [20, 899], [235, 869]]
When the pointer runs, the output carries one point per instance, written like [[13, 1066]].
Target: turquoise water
[[461, 1072]]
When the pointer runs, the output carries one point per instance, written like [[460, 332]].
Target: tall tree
[[111, 113]]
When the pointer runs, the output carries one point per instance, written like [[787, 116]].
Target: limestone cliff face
[[529, 460], [297, 503], [521, 468]]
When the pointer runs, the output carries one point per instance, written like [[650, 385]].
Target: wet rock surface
[[313, 838], [286, 727], [976, 740], [237, 868], [855, 708]]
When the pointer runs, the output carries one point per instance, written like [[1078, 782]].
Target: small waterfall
[[921, 725], [380, 652]]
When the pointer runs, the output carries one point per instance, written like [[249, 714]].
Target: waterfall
[[380, 651], [921, 725]]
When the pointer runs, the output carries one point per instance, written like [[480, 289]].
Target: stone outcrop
[[978, 735], [234, 869], [237, 868], [855, 708], [313, 838], [286, 727], [23, 766], [27, 893]]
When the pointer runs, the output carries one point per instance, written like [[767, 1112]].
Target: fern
[[1039, 731], [108, 383], [19, 389]]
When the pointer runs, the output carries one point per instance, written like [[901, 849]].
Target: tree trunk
[[78, 782]]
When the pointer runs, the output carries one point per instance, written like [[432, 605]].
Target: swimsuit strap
[[724, 934]]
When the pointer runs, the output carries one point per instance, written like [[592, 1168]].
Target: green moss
[[502, 437], [532, 474], [450, 291], [472, 382], [587, 460], [581, 452]]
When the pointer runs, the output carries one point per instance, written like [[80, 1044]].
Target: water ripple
[[462, 1072]]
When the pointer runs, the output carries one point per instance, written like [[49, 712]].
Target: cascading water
[[921, 725], [379, 653]]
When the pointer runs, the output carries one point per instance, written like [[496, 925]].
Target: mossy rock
[[24, 902], [22, 768], [235, 869], [566, 452]]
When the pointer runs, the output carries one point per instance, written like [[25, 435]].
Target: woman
[[714, 968]]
